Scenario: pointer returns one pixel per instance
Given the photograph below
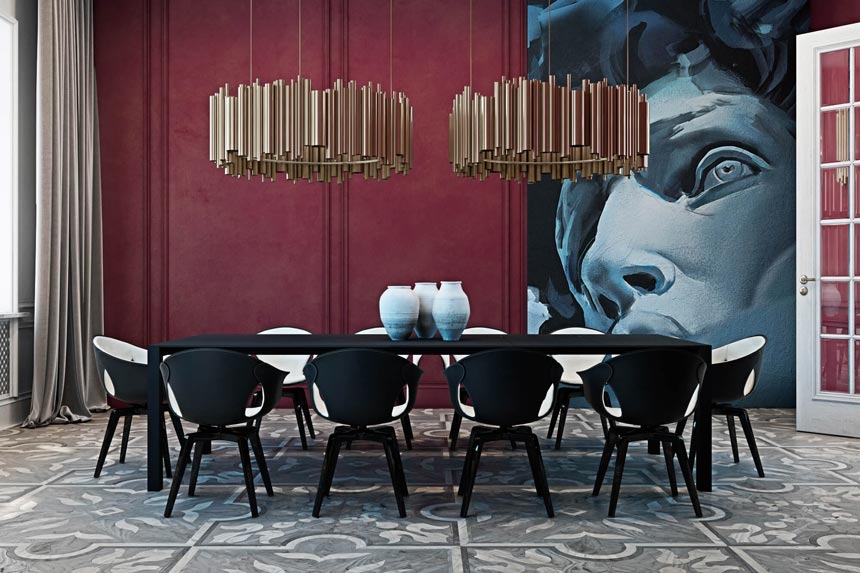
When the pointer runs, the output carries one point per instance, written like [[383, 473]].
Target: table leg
[[154, 399]]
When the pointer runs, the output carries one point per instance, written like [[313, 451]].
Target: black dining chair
[[505, 389], [122, 370], [571, 384], [732, 376], [650, 389], [294, 381], [360, 390], [214, 389]]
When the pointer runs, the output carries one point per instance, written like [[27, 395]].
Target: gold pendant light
[[528, 128], [309, 134]]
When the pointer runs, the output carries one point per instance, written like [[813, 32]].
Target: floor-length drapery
[[68, 301]]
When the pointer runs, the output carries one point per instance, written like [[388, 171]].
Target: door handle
[[805, 279]]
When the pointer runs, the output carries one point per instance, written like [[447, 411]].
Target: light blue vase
[[398, 311], [451, 310], [426, 292]]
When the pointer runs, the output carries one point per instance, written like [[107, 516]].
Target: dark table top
[[469, 343]]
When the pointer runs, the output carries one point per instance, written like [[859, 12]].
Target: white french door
[[828, 231]]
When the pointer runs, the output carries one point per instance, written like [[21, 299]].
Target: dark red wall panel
[[189, 250], [832, 13]]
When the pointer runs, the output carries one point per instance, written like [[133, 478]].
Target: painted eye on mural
[[722, 166]]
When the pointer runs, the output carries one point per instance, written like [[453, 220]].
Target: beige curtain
[[69, 302]]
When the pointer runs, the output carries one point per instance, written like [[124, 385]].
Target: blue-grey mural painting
[[702, 244]]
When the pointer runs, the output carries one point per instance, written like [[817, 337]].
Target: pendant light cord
[[627, 43], [470, 44], [548, 39], [300, 38], [391, 45], [251, 43]]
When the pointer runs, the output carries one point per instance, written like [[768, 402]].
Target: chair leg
[[297, 408], [249, 476], [407, 430], [604, 463], [669, 454], [195, 468], [177, 478], [324, 474], [177, 427], [748, 432], [303, 402], [464, 474], [619, 472], [688, 476], [395, 478], [165, 448], [605, 425], [109, 432], [694, 443], [398, 465], [534, 469], [556, 407], [562, 418], [257, 446], [470, 479], [455, 429], [541, 477], [730, 420], [126, 431]]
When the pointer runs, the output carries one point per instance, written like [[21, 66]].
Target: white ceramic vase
[[451, 310], [398, 311], [426, 292]]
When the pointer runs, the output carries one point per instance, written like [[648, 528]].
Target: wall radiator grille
[[5, 358]]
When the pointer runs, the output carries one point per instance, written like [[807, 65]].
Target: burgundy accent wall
[[832, 13], [189, 250]]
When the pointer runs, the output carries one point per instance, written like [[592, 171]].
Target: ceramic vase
[[398, 310], [451, 310], [426, 292]]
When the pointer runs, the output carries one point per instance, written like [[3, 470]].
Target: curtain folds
[[69, 299]]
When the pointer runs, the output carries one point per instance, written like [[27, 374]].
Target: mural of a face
[[702, 244]]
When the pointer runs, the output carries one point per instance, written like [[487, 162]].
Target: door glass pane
[[834, 135], [834, 193], [834, 250], [834, 365], [834, 77], [834, 308]]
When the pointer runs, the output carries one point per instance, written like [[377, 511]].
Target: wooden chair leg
[[688, 476], [535, 471], [398, 464], [126, 432], [467, 468], [297, 408], [748, 432], [455, 430], [177, 427], [562, 418], [605, 425], [470, 479], [694, 444], [555, 408], [260, 456], [406, 423], [303, 402], [165, 448], [195, 468], [547, 500], [395, 478], [730, 420], [324, 473], [608, 447], [249, 476], [619, 473], [108, 438], [669, 454], [177, 478]]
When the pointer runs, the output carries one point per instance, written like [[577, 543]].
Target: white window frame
[[13, 316]]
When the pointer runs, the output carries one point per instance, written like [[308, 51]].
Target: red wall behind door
[[189, 250], [832, 13]]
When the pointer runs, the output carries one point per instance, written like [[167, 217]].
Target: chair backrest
[[735, 368], [575, 363], [362, 387], [649, 387], [447, 359], [416, 358], [506, 386], [290, 363], [214, 387], [122, 369]]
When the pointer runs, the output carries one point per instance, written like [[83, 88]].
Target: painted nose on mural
[[616, 284]]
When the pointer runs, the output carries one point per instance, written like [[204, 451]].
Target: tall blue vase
[[398, 311], [451, 310]]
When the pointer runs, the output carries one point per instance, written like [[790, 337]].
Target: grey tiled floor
[[805, 516]]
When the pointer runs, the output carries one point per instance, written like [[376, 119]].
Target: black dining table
[[468, 344]]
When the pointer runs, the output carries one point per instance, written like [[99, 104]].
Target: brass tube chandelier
[[329, 135], [528, 128]]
